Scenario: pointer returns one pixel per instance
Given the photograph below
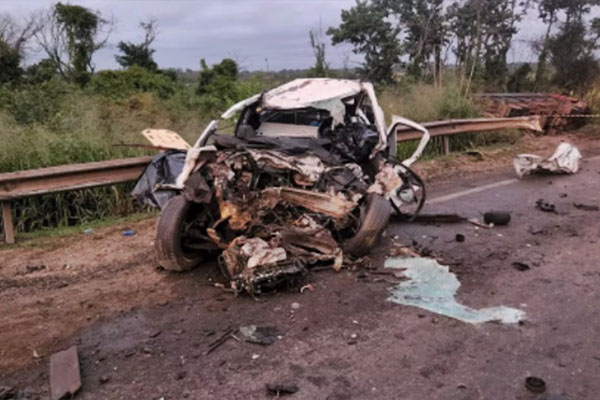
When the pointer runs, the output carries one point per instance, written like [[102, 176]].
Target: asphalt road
[[344, 340]]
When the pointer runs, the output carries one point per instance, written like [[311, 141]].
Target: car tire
[[374, 221], [169, 251]]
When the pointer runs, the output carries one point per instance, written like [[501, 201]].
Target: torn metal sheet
[[260, 253], [565, 160], [309, 167], [433, 287], [308, 241], [387, 181], [334, 205]]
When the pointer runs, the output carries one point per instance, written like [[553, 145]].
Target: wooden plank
[[64, 374], [9, 230]]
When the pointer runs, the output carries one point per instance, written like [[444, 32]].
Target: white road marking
[[467, 192]]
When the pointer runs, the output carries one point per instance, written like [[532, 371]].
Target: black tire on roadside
[[374, 221], [169, 251]]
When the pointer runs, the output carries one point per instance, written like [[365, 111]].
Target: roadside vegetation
[[61, 110]]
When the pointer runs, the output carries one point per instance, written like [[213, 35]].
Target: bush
[[124, 83], [34, 103]]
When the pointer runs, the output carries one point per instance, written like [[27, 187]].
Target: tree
[[71, 36], [321, 67], [571, 49], [424, 24], [572, 56], [548, 13], [139, 54], [484, 30], [367, 27], [10, 63]]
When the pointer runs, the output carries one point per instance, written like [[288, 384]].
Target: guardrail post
[[446, 142], [9, 230]]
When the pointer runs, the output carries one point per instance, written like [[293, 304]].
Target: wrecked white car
[[309, 177]]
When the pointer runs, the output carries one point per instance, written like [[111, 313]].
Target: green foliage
[[139, 54], [10, 60], [34, 103], [122, 84], [43, 71], [366, 27], [572, 56], [424, 23], [520, 80], [218, 85], [484, 30]]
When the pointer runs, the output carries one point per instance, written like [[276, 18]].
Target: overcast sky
[[250, 31]]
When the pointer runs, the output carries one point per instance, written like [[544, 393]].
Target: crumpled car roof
[[310, 92]]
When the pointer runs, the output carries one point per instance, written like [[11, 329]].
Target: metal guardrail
[[14, 185], [473, 125]]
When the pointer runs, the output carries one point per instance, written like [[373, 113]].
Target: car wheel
[[373, 221], [170, 251]]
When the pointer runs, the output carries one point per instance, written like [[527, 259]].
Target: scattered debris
[[64, 373], [264, 335], [282, 388], [565, 160], [433, 287], [295, 306], [585, 207], [520, 266], [545, 206], [537, 231], [129, 232], [497, 218], [535, 384], [29, 269], [308, 287], [222, 339], [479, 224], [88, 231], [438, 218]]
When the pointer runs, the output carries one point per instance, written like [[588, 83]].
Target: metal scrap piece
[[565, 160]]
